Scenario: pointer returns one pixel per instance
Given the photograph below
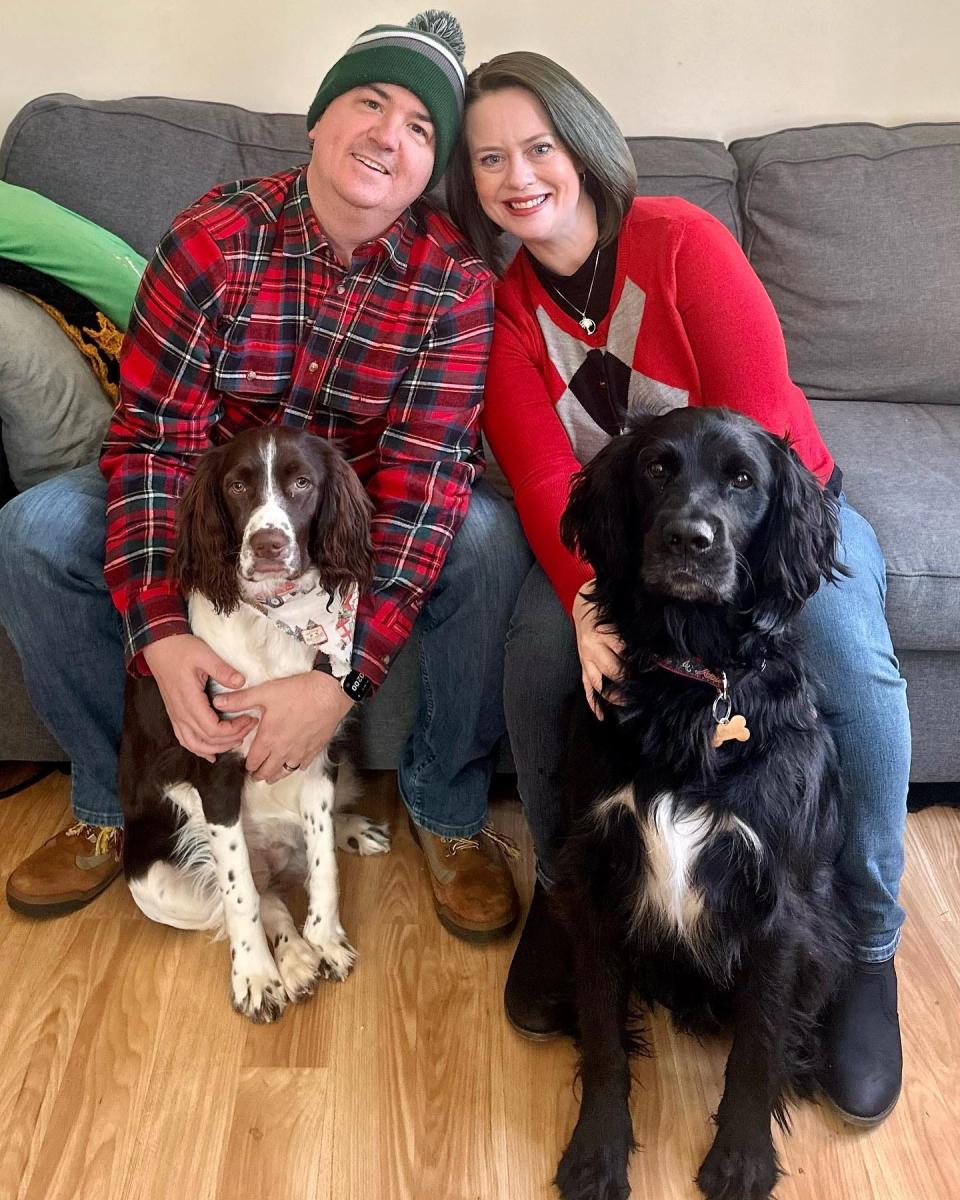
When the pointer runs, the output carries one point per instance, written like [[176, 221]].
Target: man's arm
[[166, 407], [161, 423]]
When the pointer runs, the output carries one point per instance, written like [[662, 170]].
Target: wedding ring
[[295, 767]]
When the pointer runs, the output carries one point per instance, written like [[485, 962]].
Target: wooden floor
[[124, 1073]]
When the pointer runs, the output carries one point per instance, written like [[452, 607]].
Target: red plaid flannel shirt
[[244, 318]]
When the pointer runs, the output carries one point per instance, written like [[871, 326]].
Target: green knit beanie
[[425, 56]]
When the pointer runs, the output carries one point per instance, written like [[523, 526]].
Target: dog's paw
[[261, 996], [737, 1169], [299, 965], [336, 954], [359, 835], [594, 1167]]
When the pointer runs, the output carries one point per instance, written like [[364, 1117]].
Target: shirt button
[[251, 374], [313, 367], [341, 288]]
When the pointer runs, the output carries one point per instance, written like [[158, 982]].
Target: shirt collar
[[302, 234]]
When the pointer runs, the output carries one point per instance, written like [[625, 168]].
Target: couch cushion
[[900, 470], [132, 165], [53, 412], [700, 171], [855, 232]]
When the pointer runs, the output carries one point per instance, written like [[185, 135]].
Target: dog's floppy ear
[[798, 544], [340, 542], [600, 520], [205, 558]]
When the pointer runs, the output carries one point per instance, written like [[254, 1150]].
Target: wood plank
[[95, 1118], [280, 1137], [62, 968], [193, 1082]]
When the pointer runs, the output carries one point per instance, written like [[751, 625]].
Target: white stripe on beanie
[[412, 35]]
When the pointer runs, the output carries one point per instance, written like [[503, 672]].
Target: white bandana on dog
[[323, 620]]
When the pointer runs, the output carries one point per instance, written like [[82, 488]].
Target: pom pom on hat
[[425, 57], [442, 25]]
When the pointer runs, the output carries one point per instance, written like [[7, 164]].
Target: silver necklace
[[586, 324]]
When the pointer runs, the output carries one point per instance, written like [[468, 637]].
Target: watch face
[[357, 686]]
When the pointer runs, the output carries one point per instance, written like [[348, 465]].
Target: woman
[[615, 304]]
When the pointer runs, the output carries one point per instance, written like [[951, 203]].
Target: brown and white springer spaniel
[[273, 510]]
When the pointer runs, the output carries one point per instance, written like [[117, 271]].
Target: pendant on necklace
[[588, 326]]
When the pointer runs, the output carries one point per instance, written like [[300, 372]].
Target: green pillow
[[68, 247]]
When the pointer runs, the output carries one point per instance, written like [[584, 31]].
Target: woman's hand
[[300, 714], [599, 648]]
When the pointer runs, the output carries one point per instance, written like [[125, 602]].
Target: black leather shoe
[[863, 1058], [539, 996]]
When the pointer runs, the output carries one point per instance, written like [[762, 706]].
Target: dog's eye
[[237, 486], [656, 470], [301, 483], [742, 480]]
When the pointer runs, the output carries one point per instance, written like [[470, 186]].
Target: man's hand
[[300, 715], [599, 648], [181, 665]]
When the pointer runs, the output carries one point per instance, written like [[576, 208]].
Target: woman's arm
[[737, 342]]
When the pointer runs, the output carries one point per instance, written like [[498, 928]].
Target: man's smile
[[371, 163]]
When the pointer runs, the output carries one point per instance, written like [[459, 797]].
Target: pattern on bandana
[[320, 619]]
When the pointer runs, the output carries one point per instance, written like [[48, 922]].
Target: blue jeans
[[446, 766], [849, 645], [58, 613]]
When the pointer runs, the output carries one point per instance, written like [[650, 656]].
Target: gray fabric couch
[[854, 230]]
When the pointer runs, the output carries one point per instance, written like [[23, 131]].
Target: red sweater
[[687, 314]]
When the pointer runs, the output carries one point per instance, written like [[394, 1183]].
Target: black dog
[[701, 871]]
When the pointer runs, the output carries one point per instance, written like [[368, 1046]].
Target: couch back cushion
[[700, 171], [132, 165], [855, 231]]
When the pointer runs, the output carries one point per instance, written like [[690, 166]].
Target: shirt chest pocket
[[255, 375], [254, 363], [363, 378]]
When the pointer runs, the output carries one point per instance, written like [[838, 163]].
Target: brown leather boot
[[67, 872], [473, 891]]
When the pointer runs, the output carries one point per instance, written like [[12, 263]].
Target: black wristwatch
[[358, 687]]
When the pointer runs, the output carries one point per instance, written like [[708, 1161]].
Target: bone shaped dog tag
[[733, 729]]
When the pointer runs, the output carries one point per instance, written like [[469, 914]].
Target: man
[[327, 297]]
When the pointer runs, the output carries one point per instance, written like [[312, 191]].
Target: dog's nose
[[268, 543], [688, 536]]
